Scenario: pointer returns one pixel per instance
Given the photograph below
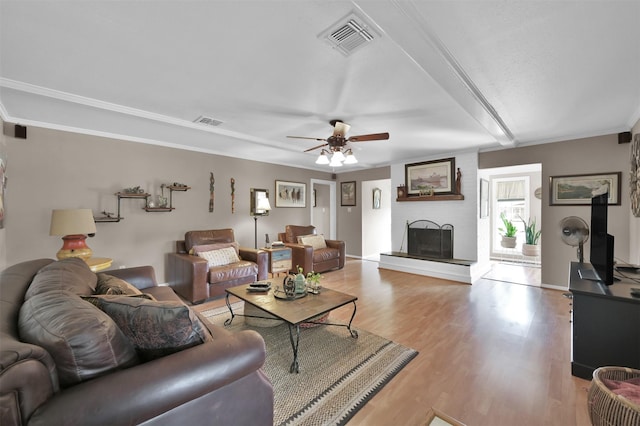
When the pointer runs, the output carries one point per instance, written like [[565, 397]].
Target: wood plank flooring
[[491, 353]]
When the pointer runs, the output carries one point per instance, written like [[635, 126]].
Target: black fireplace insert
[[426, 238]]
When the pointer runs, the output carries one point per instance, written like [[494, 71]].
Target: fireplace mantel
[[444, 197]]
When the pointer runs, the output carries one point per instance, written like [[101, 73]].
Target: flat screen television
[[601, 256]]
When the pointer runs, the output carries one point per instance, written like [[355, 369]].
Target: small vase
[[531, 250], [301, 284], [508, 242]]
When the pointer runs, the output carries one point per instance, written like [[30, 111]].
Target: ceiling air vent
[[208, 121], [349, 34]]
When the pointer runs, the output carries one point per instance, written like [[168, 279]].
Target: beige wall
[[55, 169], [588, 155], [3, 231]]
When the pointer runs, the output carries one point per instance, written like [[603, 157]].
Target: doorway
[[323, 207], [375, 200], [515, 194]]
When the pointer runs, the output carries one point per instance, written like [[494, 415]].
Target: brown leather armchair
[[191, 277], [310, 259]]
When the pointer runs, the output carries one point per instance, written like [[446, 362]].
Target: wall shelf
[[444, 197], [107, 218]]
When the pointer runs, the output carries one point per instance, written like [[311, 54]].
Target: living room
[[78, 153]]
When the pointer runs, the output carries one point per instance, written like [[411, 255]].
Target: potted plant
[[508, 232], [532, 236]]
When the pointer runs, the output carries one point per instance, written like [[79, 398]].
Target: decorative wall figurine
[[233, 195], [212, 181], [458, 181]]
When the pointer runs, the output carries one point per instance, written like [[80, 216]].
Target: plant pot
[[531, 250], [508, 242]]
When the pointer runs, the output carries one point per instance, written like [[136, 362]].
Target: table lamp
[[262, 209], [73, 225]]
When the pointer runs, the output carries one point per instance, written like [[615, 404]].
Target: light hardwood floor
[[491, 353]]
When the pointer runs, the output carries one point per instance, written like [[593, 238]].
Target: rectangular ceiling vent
[[349, 34], [207, 121]]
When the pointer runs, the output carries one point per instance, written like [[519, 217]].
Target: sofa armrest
[[341, 246], [187, 275], [302, 256], [157, 386], [260, 257], [140, 276]]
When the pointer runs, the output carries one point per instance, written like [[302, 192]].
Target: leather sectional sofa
[[193, 279], [215, 380]]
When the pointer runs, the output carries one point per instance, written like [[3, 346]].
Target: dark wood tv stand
[[605, 325]]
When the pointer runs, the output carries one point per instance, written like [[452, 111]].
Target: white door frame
[[332, 205]]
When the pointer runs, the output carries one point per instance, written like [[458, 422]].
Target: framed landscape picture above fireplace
[[431, 177]]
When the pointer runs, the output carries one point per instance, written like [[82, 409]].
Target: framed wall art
[[348, 193], [291, 194], [577, 190], [484, 198], [377, 198], [437, 176]]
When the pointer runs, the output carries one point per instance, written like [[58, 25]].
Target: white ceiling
[[440, 76]]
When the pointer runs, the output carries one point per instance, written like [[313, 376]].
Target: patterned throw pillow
[[315, 241], [220, 257], [155, 328], [108, 284]]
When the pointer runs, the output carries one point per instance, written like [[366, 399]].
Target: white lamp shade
[[72, 222], [263, 204], [337, 156], [322, 159], [350, 159], [334, 162]]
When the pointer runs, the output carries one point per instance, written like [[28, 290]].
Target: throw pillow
[[71, 274], [108, 284], [221, 257], [214, 246], [82, 340], [315, 241], [155, 328]]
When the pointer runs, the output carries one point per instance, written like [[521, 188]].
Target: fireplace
[[428, 239]]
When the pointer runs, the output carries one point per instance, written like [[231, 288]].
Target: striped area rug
[[338, 374]]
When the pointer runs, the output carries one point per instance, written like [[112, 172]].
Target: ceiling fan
[[337, 142]]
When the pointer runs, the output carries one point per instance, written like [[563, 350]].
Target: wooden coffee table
[[294, 312]]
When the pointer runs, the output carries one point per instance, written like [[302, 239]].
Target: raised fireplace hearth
[[427, 239]]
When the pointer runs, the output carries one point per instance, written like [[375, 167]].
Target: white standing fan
[[574, 231]]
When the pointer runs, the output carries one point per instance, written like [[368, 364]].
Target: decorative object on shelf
[[532, 236], [291, 194], [402, 191], [634, 176], [437, 173], [348, 193], [458, 181], [212, 181], [508, 232], [161, 205], [162, 200], [577, 190], [260, 206], [233, 195], [133, 190], [73, 225], [377, 198]]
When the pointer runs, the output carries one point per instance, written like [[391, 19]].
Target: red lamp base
[[74, 246]]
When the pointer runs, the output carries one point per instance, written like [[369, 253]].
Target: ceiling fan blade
[[371, 137], [316, 147], [304, 137]]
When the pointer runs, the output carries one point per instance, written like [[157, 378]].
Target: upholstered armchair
[[207, 262], [311, 251]]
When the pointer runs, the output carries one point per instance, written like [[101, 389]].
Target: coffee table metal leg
[[295, 367], [228, 321], [353, 332]]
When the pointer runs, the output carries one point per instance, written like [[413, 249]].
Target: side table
[[98, 263], [279, 259]]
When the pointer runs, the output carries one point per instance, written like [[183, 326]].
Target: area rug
[[338, 374]]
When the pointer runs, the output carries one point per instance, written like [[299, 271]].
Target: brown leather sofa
[[216, 382], [310, 259], [192, 278]]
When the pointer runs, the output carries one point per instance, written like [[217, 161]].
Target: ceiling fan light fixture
[[337, 156], [335, 162], [350, 158], [323, 159]]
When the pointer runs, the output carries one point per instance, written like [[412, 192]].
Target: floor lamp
[[262, 209]]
